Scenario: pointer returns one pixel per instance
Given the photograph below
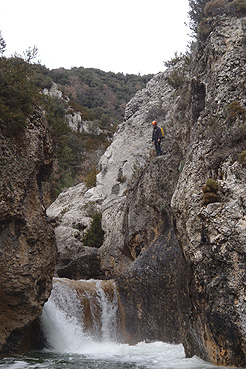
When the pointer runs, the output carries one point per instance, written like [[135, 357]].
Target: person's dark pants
[[158, 148]]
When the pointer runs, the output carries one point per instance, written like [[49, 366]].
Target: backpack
[[162, 133]]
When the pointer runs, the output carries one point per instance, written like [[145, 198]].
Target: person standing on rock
[[156, 137]]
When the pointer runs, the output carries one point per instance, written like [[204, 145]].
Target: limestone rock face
[[162, 239], [71, 214], [212, 236], [120, 167], [154, 289], [27, 243]]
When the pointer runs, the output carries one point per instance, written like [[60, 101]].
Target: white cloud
[[121, 36]]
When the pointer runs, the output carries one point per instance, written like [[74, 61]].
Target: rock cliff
[[211, 230], [27, 243], [174, 225]]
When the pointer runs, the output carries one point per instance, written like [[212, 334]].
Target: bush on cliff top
[[2, 44], [200, 9], [216, 7], [196, 13], [18, 95]]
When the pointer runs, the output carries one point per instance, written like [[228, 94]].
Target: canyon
[[175, 246], [174, 225]]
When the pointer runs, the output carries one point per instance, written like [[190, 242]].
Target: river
[[81, 330]]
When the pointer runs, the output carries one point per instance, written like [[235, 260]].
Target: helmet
[[154, 122]]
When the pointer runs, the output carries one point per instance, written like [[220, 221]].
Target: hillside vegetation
[[100, 98]]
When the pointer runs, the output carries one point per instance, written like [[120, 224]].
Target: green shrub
[[241, 6], [238, 5], [196, 13], [242, 157], [212, 185], [175, 79], [90, 179], [18, 95], [204, 29], [186, 57], [235, 109], [210, 192], [2, 44], [209, 198], [95, 234], [173, 61], [215, 7], [60, 184]]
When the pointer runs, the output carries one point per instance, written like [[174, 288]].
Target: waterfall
[[79, 313], [81, 325]]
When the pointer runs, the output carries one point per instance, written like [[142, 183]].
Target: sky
[[126, 36]]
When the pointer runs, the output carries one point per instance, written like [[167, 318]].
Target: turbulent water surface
[[155, 355], [81, 325]]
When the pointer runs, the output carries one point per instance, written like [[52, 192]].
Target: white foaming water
[[109, 313], [65, 328], [61, 321], [64, 317]]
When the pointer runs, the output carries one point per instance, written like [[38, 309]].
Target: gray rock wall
[[212, 235], [27, 242], [154, 289]]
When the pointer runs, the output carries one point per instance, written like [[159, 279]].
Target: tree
[[95, 235], [18, 95], [2, 44], [30, 54], [196, 13]]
